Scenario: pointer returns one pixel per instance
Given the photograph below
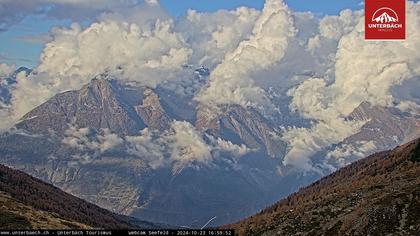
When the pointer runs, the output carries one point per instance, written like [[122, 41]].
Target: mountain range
[[161, 157], [125, 183]]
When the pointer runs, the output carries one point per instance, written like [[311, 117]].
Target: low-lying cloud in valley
[[181, 145]]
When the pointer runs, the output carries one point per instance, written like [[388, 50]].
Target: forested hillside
[[25, 191], [378, 195]]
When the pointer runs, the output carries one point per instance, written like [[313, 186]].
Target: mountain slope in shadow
[[378, 195], [25, 200]]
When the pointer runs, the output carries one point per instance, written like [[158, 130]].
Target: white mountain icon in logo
[[385, 17]]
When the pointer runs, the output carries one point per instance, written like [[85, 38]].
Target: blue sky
[[178, 7], [16, 49]]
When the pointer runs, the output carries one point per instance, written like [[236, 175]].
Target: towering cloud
[[149, 54], [232, 81], [212, 35]]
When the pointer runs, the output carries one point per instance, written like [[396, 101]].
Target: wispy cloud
[[35, 38], [13, 11], [11, 59]]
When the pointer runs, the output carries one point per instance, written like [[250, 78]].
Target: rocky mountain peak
[[99, 105], [152, 112], [239, 125], [98, 89], [104, 103], [22, 69]]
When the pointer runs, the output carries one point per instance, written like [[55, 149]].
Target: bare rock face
[[387, 127], [152, 112], [207, 119], [52, 115], [98, 105], [103, 107], [241, 126]]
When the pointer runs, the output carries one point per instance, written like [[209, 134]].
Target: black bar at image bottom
[[187, 232]]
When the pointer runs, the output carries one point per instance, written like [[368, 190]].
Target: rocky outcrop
[[241, 126], [152, 112]]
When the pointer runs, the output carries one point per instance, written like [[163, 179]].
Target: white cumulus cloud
[[212, 35], [232, 82], [6, 70], [148, 55]]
